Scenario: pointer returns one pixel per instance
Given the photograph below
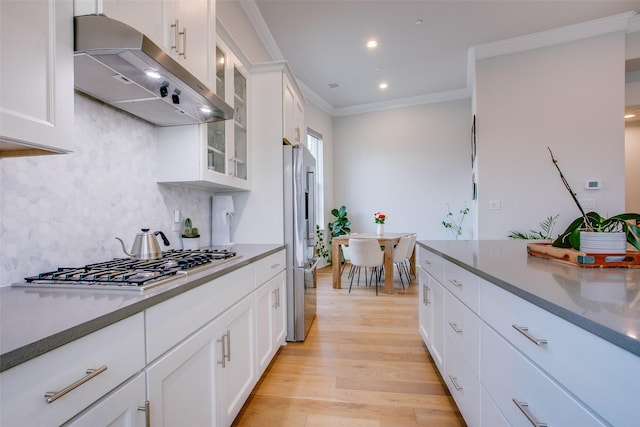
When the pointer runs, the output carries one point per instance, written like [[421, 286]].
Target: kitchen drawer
[[431, 263], [268, 267], [539, 396], [610, 388], [491, 416], [173, 320], [463, 385], [119, 348], [462, 284], [462, 328]]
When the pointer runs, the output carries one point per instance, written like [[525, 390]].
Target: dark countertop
[[35, 321], [603, 301]]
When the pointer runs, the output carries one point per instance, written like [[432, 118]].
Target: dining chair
[[410, 249], [368, 254], [399, 257]]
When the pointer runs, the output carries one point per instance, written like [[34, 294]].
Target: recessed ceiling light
[[629, 116], [153, 74], [383, 85], [372, 43]]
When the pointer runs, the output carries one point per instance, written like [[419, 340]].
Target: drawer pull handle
[[52, 396], [147, 413], [524, 330], [455, 327], [426, 262], [454, 380], [276, 265], [454, 282], [425, 295], [523, 408]]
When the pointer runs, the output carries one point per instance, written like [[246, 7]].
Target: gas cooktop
[[129, 273]]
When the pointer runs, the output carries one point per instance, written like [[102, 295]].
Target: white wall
[[569, 97], [408, 163], [632, 167]]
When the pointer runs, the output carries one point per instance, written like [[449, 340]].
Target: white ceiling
[[324, 40]]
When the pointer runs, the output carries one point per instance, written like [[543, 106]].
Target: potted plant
[[190, 236], [341, 225], [620, 229]]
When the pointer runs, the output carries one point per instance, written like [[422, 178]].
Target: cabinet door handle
[[52, 396], [176, 33], [226, 348], [454, 380], [184, 43], [524, 330], [275, 298], [147, 413], [455, 327], [523, 408], [454, 282], [425, 295]]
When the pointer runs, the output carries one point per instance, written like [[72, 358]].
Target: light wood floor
[[363, 364]]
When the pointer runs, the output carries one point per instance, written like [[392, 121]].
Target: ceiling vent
[[334, 85]]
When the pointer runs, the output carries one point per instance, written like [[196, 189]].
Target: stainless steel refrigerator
[[299, 238]]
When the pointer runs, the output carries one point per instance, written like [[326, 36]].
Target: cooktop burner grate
[[128, 273]]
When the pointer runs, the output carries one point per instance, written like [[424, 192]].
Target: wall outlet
[[495, 205]]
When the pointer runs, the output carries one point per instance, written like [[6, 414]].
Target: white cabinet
[[54, 387], [271, 319], [236, 362], [189, 35], [509, 362], [293, 122], [181, 385], [143, 15], [123, 407], [277, 96], [431, 308], [216, 154], [36, 77]]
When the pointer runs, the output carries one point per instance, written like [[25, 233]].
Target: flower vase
[[380, 229]]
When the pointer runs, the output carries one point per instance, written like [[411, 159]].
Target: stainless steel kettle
[[145, 245]]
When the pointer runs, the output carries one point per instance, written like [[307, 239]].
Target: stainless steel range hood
[[112, 63]]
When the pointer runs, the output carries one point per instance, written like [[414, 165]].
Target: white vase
[[380, 229], [603, 243]]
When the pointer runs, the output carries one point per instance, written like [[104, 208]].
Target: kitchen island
[[519, 338]]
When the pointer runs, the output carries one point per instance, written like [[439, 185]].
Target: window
[[314, 144]]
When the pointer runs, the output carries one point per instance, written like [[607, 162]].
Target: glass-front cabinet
[[213, 154]]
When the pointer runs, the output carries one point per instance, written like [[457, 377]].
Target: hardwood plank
[[363, 364]]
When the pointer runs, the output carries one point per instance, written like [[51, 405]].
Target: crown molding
[[432, 98], [317, 100], [634, 24], [257, 20], [569, 33]]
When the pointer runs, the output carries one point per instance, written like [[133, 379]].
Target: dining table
[[388, 240]]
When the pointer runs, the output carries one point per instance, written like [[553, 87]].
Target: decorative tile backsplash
[[66, 210]]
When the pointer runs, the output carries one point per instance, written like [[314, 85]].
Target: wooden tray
[[582, 259]]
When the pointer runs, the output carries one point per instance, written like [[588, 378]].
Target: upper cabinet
[[213, 154], [185, 29], [36, 77], [293, 120]]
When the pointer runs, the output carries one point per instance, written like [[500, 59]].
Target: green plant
[[189, 230], [339, 227], [593, 222], [320, 249], [453, 225], [545, 232]]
